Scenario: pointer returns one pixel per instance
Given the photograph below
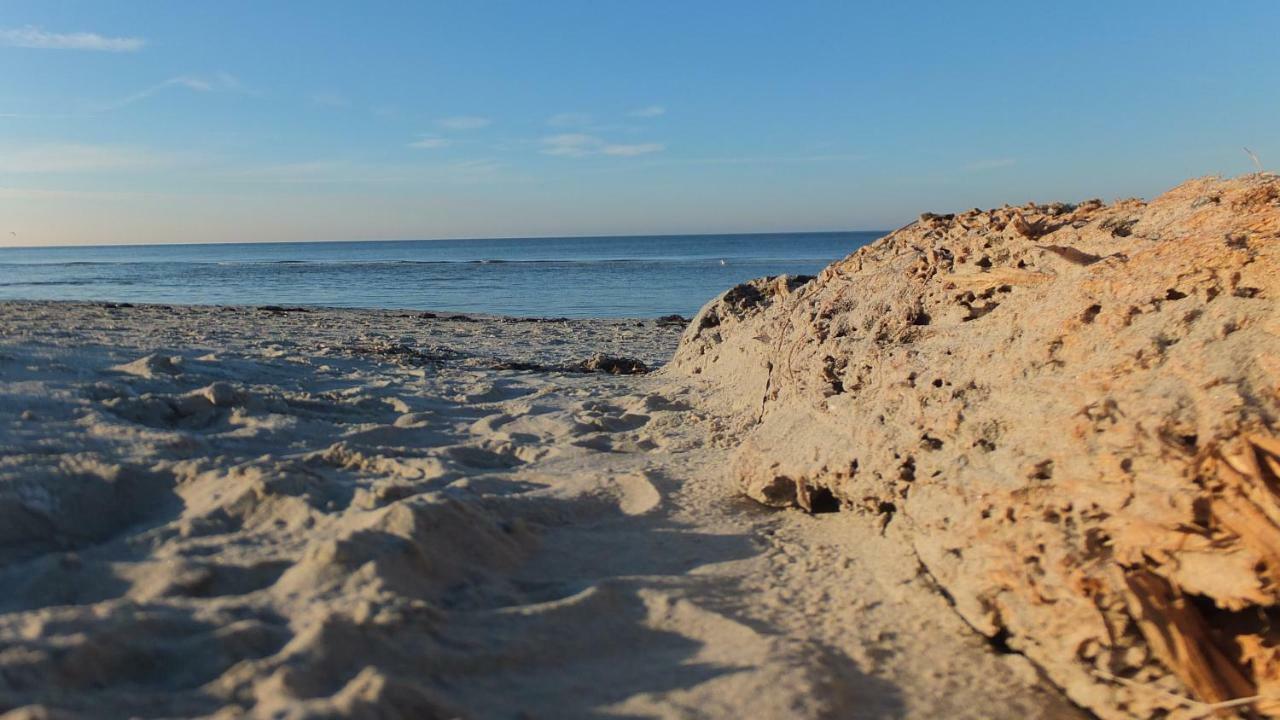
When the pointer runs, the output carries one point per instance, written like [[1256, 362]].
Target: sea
[[640, 276]]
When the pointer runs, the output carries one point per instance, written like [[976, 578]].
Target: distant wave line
[[371, 263], [31, 283]]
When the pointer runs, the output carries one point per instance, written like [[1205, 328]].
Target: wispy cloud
[[571, 144], [33, 116], [308, 172], [569, 119], [330, 99], [474, 171], [347, 172], [633, 149], [213, 83], [780, 160], [28, 193], [648, 111], [991, 164], [588, 123], [33, 37], [767, 159], [78, 158], [581, 145], [464, 122], [430, 142]]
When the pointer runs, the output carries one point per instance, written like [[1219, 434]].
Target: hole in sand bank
[[907, 470], [822, 500], [1000, 642], [1090, 314], [1043, 470]]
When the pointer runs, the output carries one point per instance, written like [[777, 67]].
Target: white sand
[[222, 511]]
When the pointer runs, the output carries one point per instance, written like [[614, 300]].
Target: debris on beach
[[597, 363], [612, 365]]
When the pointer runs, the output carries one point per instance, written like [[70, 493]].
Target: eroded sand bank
[[226, 511], [1070, 412]]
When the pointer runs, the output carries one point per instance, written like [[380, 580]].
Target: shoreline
[[403, 313]]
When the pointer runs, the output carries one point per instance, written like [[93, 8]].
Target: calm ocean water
[[575, 277]]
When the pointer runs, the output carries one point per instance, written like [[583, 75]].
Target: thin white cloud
[[767, 159], [330, 99], [633, 149], [220, 82], [78, 158], [648, 111], [991, 164], [313, 172], [571, 144], [340, 172], [430, 142], [581, 145], [21, 193], [474, 171], [729, 160], [33, 116], [33, 37], [28, 193], [569, 119], [464, 122]]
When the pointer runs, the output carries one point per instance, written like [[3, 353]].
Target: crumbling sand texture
[[1070, 412]]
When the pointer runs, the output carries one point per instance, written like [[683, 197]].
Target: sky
[[239, 121]]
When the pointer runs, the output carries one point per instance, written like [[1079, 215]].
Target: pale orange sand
[[213, 511]]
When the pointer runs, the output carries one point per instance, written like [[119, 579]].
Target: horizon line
[[442, 239]]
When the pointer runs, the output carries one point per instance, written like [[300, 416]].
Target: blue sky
[[253, 121]]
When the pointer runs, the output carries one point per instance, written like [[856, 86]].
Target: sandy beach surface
[[272, 512]]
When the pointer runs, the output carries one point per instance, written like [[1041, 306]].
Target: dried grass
[[1227, 659]]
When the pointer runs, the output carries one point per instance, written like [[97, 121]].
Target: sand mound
[[1070, 412]]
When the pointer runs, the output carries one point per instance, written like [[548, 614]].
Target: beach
[[305, 512], [663, 361], [1012, 463]]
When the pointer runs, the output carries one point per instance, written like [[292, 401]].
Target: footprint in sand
[[637, 493], [496, 391], [642, 404], [605, 443], [152, 366]]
